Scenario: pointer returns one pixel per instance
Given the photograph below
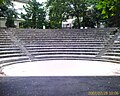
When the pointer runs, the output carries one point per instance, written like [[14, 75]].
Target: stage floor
[[63, 68]]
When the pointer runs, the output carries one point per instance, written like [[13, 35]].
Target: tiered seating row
[[61, 44], [55, 44], [9, 52], [113, 54]]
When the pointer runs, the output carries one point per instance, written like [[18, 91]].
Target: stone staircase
[[27, 45], [10, 52], [112, 53]]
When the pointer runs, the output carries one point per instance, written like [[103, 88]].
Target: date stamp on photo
[[103, 93]]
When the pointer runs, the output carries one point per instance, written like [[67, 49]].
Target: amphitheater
[[60, 52]]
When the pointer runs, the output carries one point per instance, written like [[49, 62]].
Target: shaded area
[[58, 86]]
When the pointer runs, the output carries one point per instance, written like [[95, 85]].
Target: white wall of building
[[19, 8], [68, 23], [3, 21]]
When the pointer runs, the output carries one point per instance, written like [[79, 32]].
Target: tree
[[60, 10], [57, 12], [7, 10], [4, 6], [83, 13], [35, 15], [11, 14], [93, 17], [111, 11], [1, 2]]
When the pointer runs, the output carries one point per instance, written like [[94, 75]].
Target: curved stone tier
[[28, 45]]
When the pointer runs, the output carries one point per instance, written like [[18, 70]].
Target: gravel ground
[[60, 86]]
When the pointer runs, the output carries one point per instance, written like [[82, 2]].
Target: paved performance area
[[60, 86], [63, 68]]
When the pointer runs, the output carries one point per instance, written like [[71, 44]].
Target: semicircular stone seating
[[27, 45]]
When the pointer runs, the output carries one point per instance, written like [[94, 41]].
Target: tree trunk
[[78, 21], [84, 13]]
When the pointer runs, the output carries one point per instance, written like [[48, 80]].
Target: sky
[[19, 6], [41, 1]]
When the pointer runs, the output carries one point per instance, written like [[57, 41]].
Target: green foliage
[[35, 15], [10, 23], [11, 15], [1, 2], [111, 11], [5, 2], [57, 11], [60, 10], [7, 10], [80, 9], [4, 7]]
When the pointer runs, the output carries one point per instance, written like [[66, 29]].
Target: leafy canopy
[[60, 10], [111, 11], [7, 10], [35, 15]]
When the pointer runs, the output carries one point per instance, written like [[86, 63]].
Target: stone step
[[58, 35], [63, 34], [116, 44], [111, 57], [112, 54], [5, 44], [10, 51], [114, 51], [13, 60], [65, 40], [61, 42], [66, 43], [61, 47], [63, 57], [6, 41], [34, 34], [64, 52], [81, 46], [69, 41], [6, 55], [114, 48]]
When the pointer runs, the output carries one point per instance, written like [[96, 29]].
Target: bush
[[10, 23]]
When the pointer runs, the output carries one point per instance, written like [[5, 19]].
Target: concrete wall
[[68, 23], [18, 5], [3, 21]]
